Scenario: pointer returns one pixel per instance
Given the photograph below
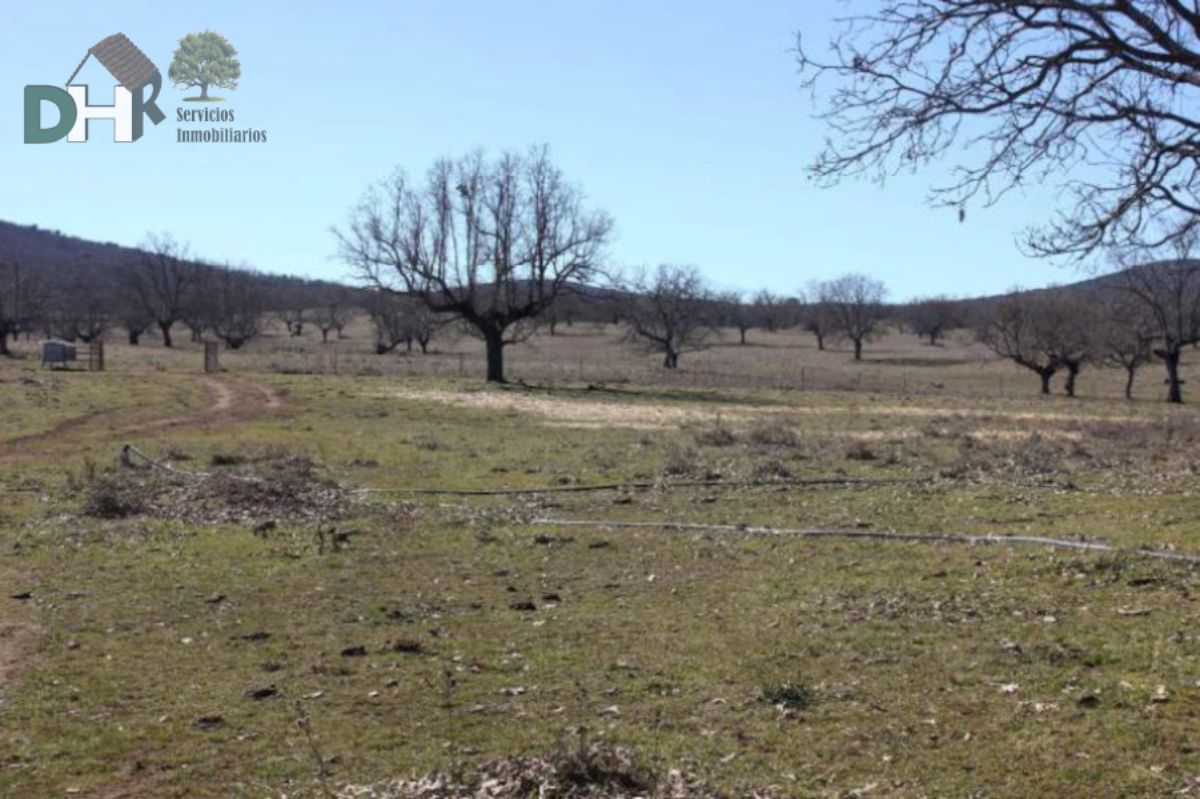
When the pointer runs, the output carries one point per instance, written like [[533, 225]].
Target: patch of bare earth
[[582, 413], [17, 637]]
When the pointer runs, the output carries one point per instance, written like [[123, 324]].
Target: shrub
[[790, 695]]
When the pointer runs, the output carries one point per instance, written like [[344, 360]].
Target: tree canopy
[[1096, 96]]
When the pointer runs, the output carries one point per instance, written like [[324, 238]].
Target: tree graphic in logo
[[203, 60]]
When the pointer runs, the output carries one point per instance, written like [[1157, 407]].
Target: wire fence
[[985, 379]]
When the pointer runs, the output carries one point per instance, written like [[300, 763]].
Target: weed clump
[[789, 695], [109, 496], [775, 434]]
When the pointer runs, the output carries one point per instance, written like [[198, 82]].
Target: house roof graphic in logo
[[123, 60], [135, 73]]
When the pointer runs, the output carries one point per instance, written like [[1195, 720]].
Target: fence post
[[96, 356], [211, 362]]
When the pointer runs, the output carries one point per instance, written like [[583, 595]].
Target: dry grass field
[[331, 573]]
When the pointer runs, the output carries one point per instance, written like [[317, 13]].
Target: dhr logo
[[134, 72]]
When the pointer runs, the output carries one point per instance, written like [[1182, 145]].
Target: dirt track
[[231, 399]]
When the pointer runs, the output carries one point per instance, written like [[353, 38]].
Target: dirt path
[[230, 399]]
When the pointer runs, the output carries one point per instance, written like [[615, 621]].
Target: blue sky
[[685, 121]]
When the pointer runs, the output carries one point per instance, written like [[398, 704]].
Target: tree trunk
[[743, 332], [1174, 384], [933, 338], [553, 324], [135, 338], [820, 342], [1045, 375], [165, 327], [494, 341], [858, 349], [1069, 386], [203, 91], [1130, 373], [4, 343], [671, 359], [324, 336]]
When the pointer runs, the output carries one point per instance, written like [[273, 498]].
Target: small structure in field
[[61, 354], [57, 353]]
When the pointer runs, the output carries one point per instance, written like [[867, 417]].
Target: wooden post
[[96, 356], [211, 362]]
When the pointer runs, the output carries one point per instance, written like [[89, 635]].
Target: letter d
[[34, 97]]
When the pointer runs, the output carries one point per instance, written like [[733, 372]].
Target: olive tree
[[492, 243]]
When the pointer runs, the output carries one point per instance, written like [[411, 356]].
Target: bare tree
[[163, 281], [737, 314], [816, 315], [22, 299], [1045, 332], [771, 311], [490, 243], [77, 308], [1067, 324], [670, 311], [1169, 293], [1097, 95], [333, 314], [856, 302], [238, 305], [400, 320], [292, 302], [387, 314], [932, 318], [1124, 336]]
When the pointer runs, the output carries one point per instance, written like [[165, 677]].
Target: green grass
[[906, 654]]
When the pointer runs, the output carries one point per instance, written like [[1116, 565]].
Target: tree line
[[155, 291]]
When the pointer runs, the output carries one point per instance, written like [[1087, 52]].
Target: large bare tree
[[493, 243], [1097, 96], [670, 311]]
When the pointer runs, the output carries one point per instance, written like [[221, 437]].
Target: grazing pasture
[[321, 574]]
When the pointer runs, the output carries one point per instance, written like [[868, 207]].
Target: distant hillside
[[38, 248], [41, 251]]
